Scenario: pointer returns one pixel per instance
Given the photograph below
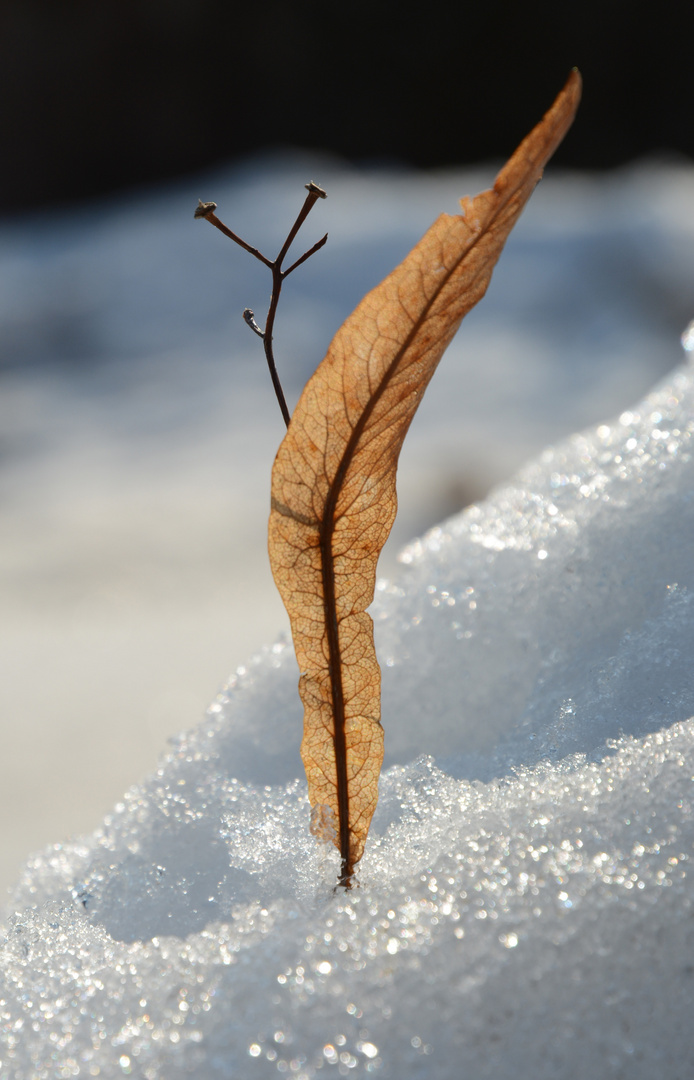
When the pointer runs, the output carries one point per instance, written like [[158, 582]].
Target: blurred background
[[101, 96], [138, 425]]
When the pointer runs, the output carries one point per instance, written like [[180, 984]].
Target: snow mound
[[523, 908]]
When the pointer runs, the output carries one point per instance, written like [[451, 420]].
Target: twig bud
[[249, 319], [204, 208]]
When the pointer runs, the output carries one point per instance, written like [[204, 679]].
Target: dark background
[[97, 96]]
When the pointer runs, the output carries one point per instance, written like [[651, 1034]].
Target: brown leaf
[[333, 481]]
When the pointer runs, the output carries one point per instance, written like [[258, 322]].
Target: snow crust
[[524, 907]]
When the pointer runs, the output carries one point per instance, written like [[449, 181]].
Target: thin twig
[[207, 211], [306, 255]]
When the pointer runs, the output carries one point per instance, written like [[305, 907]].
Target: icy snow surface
[[523, 909]]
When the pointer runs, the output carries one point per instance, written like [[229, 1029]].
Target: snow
[[523, 907]]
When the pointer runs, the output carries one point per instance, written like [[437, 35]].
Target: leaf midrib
[[326, 533]]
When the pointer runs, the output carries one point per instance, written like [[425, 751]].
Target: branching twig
[[207, 211]]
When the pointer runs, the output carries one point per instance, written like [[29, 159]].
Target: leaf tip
[[573, 86]]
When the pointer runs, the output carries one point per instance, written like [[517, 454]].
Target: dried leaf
[[333, 481]]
